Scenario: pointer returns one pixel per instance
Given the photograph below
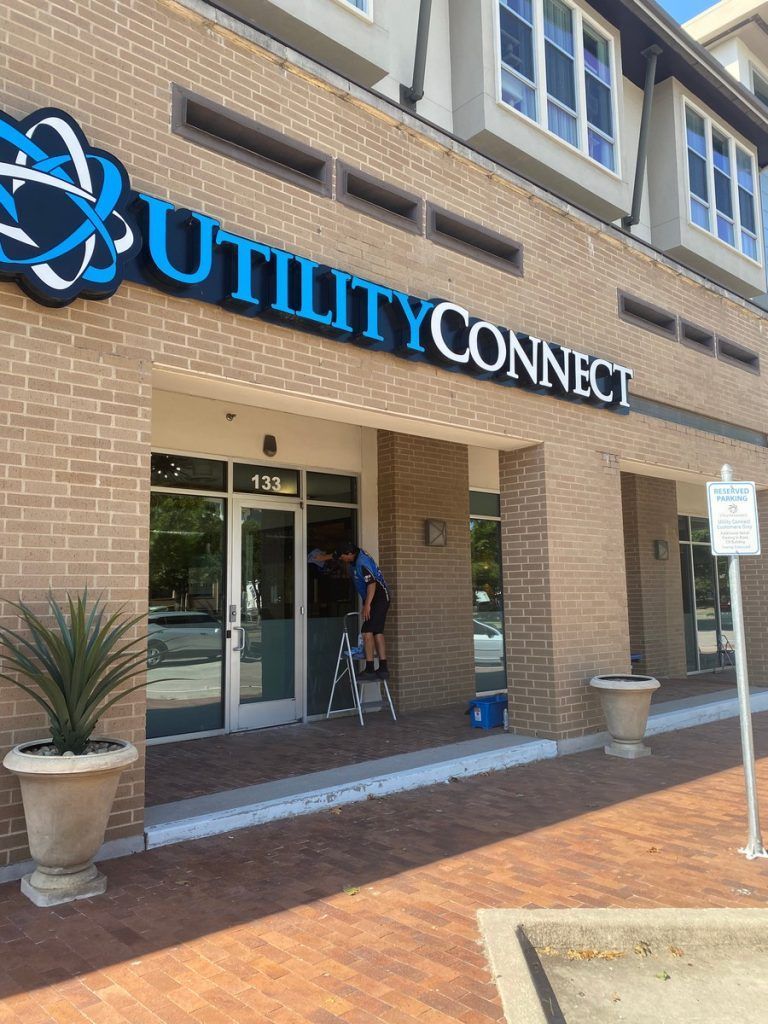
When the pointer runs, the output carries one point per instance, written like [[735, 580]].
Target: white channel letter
[[474, 346], [550, 362], [517, 352], [625, 376], [595, 383], [581, 376], [436, 324]]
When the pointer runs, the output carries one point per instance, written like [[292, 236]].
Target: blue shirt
[[365, 571]]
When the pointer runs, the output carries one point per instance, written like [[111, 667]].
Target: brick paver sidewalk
[[257, 927]]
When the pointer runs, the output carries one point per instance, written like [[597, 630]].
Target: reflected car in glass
[[489, 644], [176, 635]]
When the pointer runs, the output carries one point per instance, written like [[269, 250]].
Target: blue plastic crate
[[487, 712]]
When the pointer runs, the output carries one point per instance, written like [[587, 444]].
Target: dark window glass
[[599, 105], [186, 629], [699, 530], [332, 487], [697, 170], [705, 590], [723, 196], [689, 609], [185, 471], [330, 596], [517, 43], [247, 479], [487, 608], [482, 504], [683, 528], [761, 88], [267, 605]]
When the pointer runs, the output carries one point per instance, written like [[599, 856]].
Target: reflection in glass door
[[488, 610], [706, 599], [185, 629], [263, 615]]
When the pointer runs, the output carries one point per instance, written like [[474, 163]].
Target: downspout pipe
[[651, 57], [416, 91]]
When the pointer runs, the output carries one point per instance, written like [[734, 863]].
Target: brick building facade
[[92, 388]]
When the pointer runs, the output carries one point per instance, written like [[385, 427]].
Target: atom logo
[[63, 228]]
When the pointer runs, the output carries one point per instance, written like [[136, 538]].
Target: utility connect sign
[[733, 524], [72, 227]]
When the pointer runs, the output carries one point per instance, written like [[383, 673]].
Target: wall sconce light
[[270, 445], [661, 550], [435, 533]]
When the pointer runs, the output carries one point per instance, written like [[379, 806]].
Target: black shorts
[[379, 609]]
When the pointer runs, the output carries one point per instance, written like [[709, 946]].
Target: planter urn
[[67, 800], [626, 700]]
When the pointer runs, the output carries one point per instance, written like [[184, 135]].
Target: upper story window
[[760, 87], [721, 184], [361, 5], [556, 69]]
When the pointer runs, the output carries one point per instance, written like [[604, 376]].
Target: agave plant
[[73, 669]]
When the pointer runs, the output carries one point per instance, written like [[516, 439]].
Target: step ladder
[[345, 666]]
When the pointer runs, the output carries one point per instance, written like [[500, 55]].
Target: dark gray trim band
[[685, 418]]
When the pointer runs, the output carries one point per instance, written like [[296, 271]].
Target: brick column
[[565, 595], [754, 589], [654, 587], [429, 630], [75, 513]]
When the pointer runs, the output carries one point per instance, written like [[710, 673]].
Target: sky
[[685, 9]]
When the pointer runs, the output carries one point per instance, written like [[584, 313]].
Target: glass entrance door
[[264, 615]]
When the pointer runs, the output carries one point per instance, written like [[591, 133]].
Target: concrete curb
[[306, 794], [511, 937]]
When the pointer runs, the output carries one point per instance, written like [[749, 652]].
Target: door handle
[[241, 645]]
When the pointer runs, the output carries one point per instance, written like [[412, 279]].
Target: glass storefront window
[[481, 503], [186, 625], [271, 481], [488, 609], [330, 596], [707, 618], [332, 487], [706, 615], [183, 471], [699, 530]]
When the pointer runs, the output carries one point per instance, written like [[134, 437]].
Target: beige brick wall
[[565, 594], [75, 441], [430, 624], [75, 382], [654, 587]]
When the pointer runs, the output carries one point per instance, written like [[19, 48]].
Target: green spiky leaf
[[74, 665]]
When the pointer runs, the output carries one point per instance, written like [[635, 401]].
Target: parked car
[[195, 634], [489, 644]]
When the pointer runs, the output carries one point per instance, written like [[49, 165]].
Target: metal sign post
[[734, 531]]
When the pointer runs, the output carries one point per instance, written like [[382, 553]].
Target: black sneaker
[[382, 673], [367, 677]]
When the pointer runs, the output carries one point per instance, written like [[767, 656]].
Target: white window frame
[[349, 5], [580, 19], [733, 147]]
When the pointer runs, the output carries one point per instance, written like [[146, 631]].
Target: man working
[[372, 588]]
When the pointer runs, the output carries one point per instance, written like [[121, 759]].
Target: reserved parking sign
[[733, 524]]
